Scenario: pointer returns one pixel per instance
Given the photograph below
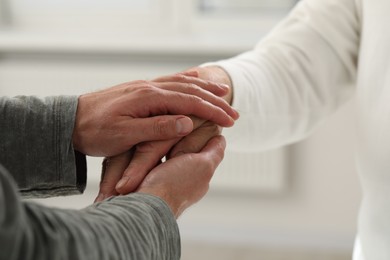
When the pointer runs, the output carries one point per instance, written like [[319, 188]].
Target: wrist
[[218, 74], [165, 196]]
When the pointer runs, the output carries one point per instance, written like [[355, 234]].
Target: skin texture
[[112, 121], [129, 170], [137, 163], [183, 180], [217, 75]]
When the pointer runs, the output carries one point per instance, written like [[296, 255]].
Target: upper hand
[[111, 121]]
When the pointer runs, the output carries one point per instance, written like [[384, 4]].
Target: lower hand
[[128, 170], [183, 180]]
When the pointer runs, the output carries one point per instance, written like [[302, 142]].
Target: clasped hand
[[112, 121], [136, 124]]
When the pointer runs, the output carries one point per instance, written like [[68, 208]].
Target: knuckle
[[178, 77], [195, 99], [140, 87], [135, 85], [141, 82], [189, 147], [209, 169], [220, 157], [146, 90], [194, 147], [213, 129], [207, 165], [145, 147], [194, 88], [104, 185]]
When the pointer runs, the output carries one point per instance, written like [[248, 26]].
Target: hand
[[130, 173], [111, 121], [194, 142], [129, 169], [218, 75], [184, 180]]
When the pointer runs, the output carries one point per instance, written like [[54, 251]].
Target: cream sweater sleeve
[[301, 72]]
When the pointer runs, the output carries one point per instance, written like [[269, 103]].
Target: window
[[243, 7]]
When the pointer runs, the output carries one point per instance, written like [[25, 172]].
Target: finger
[[190, 73], [194, 142], [176, 98], [213, 87], [186, 104], [198, 122], [195, 90], [158, 128], [146, 157], [154, 101], [113, 168]]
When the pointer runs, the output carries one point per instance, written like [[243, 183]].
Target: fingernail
[[121, 183], [184, 125]]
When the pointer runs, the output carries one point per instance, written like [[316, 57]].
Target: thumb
[[160, 128]]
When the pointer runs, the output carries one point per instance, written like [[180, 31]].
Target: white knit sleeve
[[296, 76]]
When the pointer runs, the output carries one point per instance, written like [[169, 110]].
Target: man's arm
[[137, 226], [36, 145], [140, 226]]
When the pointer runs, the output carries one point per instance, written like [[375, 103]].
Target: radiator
[[253, 172]]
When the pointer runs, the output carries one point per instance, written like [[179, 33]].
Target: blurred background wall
[[297, 202]]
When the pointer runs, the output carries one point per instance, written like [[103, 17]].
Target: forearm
[[36, 145], [136, 226]]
